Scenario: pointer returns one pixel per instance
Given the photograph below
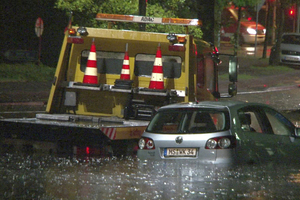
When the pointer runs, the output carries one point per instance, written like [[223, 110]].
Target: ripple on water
[[50, 177]]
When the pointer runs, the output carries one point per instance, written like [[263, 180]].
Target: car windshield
[[174, 121], [291, 39]]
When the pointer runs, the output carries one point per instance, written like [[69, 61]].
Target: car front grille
[[286, 52]]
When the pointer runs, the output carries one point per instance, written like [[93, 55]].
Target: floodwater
[[50, 177], [62, 178]]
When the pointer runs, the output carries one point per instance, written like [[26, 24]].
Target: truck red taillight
[[225, 142], [75, 40], [146, 143]]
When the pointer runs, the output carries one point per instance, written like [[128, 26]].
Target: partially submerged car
[[289, 49], [220, 132]]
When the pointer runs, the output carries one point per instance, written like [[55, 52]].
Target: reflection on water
[[30, 177]]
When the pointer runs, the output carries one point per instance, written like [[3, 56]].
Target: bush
[[26, 72]]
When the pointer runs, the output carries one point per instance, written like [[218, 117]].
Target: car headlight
[[251, 31], [264, 30]]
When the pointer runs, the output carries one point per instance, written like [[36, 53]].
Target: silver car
[[220, 132], [289, 49]]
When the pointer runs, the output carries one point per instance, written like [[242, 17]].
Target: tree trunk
[[142, 12], [279, 34], [217, 26], [237, 32], [268, 28]]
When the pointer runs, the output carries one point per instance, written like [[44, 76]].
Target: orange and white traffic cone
[[157, 77], [90, 75], [125, 73]]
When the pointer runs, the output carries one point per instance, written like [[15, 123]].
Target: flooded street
[[48, 177]]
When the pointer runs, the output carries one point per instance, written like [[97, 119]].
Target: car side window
[[264, 120], [249, 121], [279, 124]]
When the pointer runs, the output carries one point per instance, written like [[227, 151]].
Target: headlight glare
[[251, 31]]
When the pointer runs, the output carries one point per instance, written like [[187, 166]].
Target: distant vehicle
[[247, 26], [289, 49], [20, 55], [220, 132]]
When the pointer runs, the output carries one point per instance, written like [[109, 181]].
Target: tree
[[86, 10]]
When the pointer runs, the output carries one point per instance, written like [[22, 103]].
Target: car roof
[[212, 104]]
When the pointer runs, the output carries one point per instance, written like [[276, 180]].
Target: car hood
[[252, 24]]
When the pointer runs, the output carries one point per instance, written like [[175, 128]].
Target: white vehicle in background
[[247, 26], [289, 49]]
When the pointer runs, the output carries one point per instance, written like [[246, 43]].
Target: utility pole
[[298, 16], [142, 12]]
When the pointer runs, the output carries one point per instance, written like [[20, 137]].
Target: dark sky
[[17, 27]]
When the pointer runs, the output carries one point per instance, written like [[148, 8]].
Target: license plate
[[180, 152], [291, 58]]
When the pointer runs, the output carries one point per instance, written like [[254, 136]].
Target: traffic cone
[[125, 73], [157, 77], [90, 75]]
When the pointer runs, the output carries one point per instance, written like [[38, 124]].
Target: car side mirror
[[297, 132], [233, 69], [232, 89]]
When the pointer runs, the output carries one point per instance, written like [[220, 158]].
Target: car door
[[259, 143], [288, 144]]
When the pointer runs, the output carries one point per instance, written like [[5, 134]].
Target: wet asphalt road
[[281, 91]]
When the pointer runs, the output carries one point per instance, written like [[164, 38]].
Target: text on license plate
[[189, 152], [291, 58]]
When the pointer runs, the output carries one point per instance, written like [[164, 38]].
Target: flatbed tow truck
[[133, 73]]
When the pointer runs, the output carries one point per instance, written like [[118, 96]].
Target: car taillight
[[146, 143], [226, 142]]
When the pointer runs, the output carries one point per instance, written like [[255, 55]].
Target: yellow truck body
[[116, 109]]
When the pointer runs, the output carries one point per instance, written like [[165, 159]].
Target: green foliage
[[26, 72], [242, 3], [86, 10]]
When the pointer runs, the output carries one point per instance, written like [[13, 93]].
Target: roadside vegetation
[[25, 72], [254, 72], [31, 72]]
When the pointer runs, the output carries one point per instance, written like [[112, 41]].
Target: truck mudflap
[[112, 127]]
